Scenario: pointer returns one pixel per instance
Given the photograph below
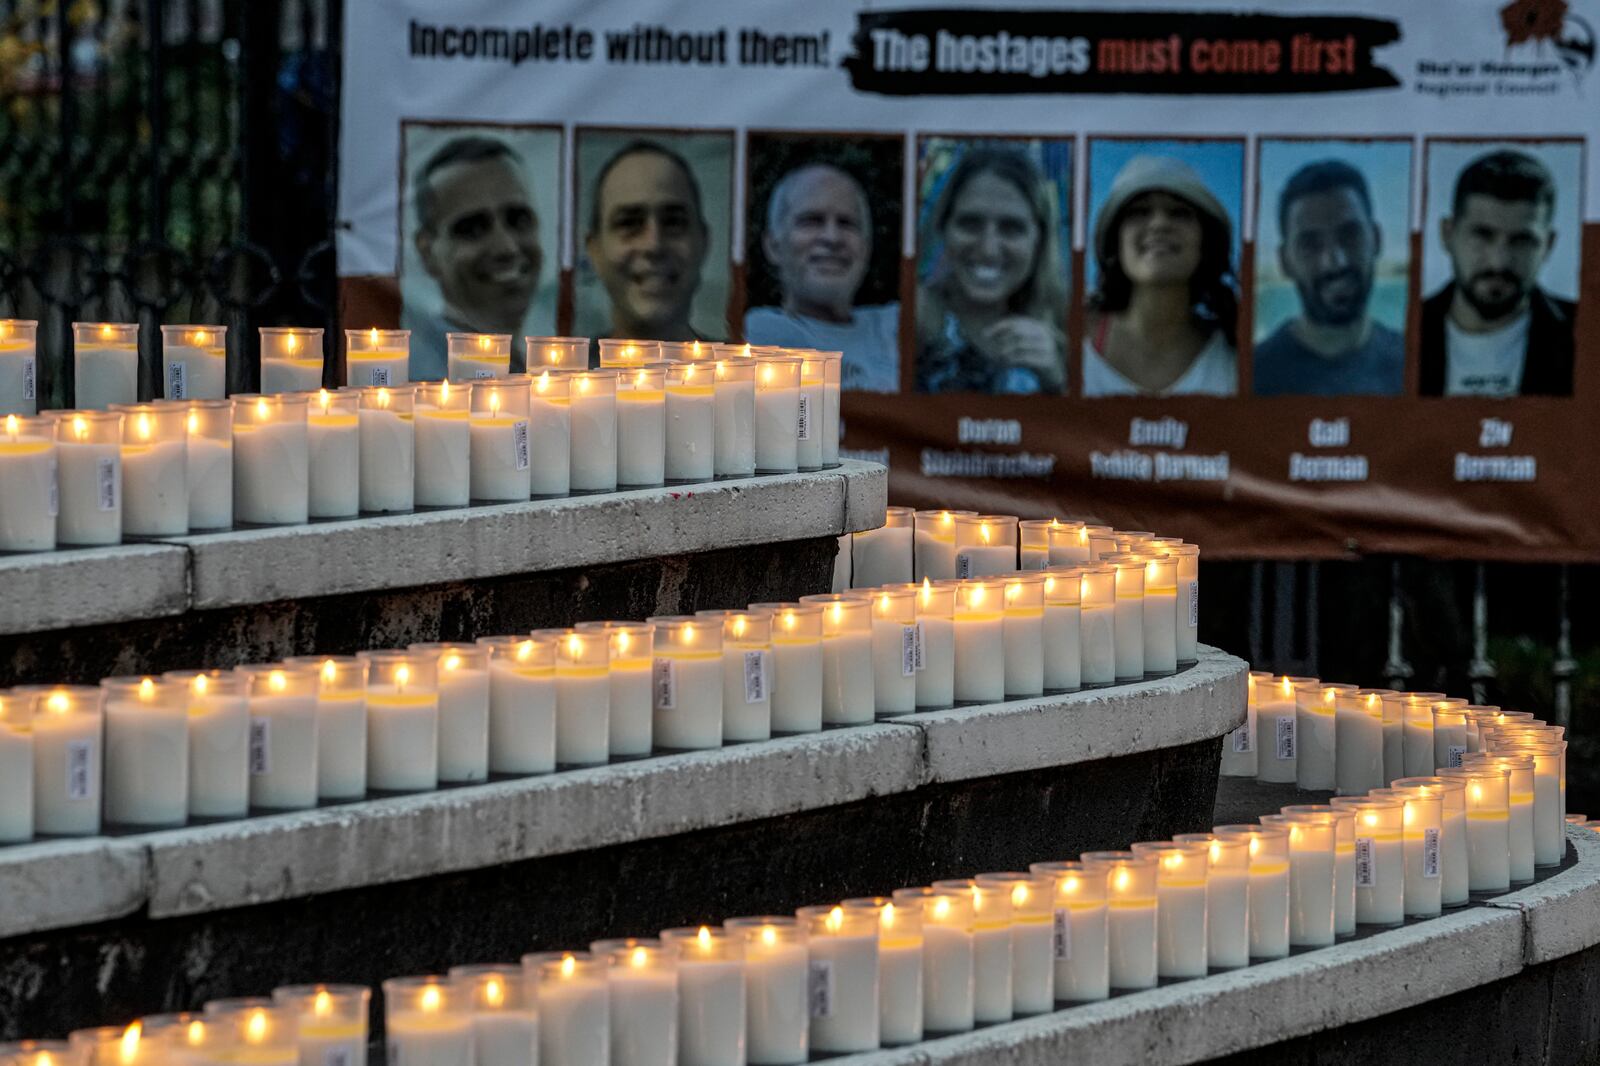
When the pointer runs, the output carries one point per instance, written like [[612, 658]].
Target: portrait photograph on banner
[[994, 264], [653, 223], [1331, 289], [822, 249], [1502, 251], [1162, 276]]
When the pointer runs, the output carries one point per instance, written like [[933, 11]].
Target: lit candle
[[378, 357], [847, 690], [1422, 832], [1549, 837], [500, 454], [1359, 763], [1102, 542], [443, 445], [146, 752], [291, 359], [1160, 615], [1394, 725], [833, 366], [475, 356], [209, 464], [1239, 746], [550, 416], [1130, 916], [1454, 876], [583, 697], [505, 1023], [463, 673], [271, 460], [1097, 624], [980, 641], [641, 426], [341, 724], [1276, 742], [842, 986], [1344, 860], [252, 1031], [948, 988], [194, 362], [38, 1053], [283, 734], [66, 758], [402, 721], [19, 366], [1022, 630], [1313, 876], [594, 431], [934, 545], [1269, 886], [899, 968], [643, 977], [427, 1022], [110, 1045], [1066, 543], [1227, 898], [691, 423], [89, 477], [388, 448], [28, 489], [574, 1008], [1181, 948], [566, 353], [155, 484], [777, 414], [16, 766], [936, 643], [1062, 629], [1488, 827], [797, 666], [330, 1022], [1519, 794], [218, 713], [746, 673], [1078, 934], [711, 995], [522, 704], [1033, 541], [776, 974], [1188, 602], [986, 545], [105, 360], [632, 730], [1129, 616], [882, 556], [1380, 858], [1449, 733], [809, 400], [185, 1038], [894, 650], [333, 441], [734, 394], [624, 353], [1029, 898], [686, 682], [991, 948], [1418, 732]]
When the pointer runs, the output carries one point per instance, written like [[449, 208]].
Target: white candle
[[1067, 544], [388, 448], [991, 949], [809, 416], [1418, 732], [271, 464], [626, 353], [1129, 617], [463, 674], [1062, 631], [986, 545], [936, 644], [1160, 616], [933, 545], [1454, 877], [882, 556], [691, 423], [1449, 733], [1421, 840], [1519, 785], [948, 988], [842, 987], [711, 996], [499, 432], [1394, 744], [475, 356], [1131, 916], [426, 1023], [1313, 876], [1033, 542], [146, 752], [734, 396], [1181, 948], [341, 724], [155, 480], [574, 1010], [641, 426], [443, 445], [830, 407], [686, 682], [1380, 858], [1276, 726], [28, 491], [550, 435], [522, 704], [777, 414], [643, 979], [330, 1022], [283, 735], [1030, 898], [1022, 630], [219, 741], [1097, 625], [746, 673], [377, 357], [19, 366], [194, 362], [894, 650], [631, 730], [1239, 746], [89, 477], [505, 1023], [105, 357], [291, 359], [594, 431], [979, 641], [847, 682], [899, 968], [1227, 898], [16, 767], [775, 981], [1078, 940], [402, 721], [1315, 729], [333, 441], [1488, 827], [1188, 602], [797, 666], [66, 759], [583, 697], [566, 353], [1269, 887], [209, 467]]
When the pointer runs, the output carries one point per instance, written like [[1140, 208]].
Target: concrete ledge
[[70, 882], [84, 586], [1563, 912]]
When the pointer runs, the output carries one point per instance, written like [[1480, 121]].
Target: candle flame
[[1083, 534], [745, 352], [975, 596], [569, 965], [697, 349], [1055, 523], [494, 992], [766, 374], [130, 1042], [1069, 884], [1294, 830], [1019, 895], [641, 379], [255, 1030], [194, 1034], [1013, 590], [1369, 818], [200, 685], [147, 690], [1150, 571], [324, 399], [200, 338], [194, 423], [543, 381], [1216, 850], [688, 633], [983, 531], [452, 661], [835, 919], [1372, 700], [524, 650], [12, 424], [738, 626], [688, 370], [1406, 814], [838, 613], [330, 671], [276, 681], [884, 602], [106, 332], [769, 935], [80, 427], [402, 674], [290, 343], [322, 1005], [583, 382], [639, 958], [374, 336], [886, 916], [788, 619], [263, 409], [704, 938], [483, 341], [431, 999], [552, 355], [444, 393], [1255, 846], [1288, 687], [59, 702], [1477, 791], [383, 397], [1049, 585], [574, 645], [1122, 879], [941, 908], [623, 642], [494, 401], [1173, 860]]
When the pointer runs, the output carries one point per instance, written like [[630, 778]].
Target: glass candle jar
[[690, 423], [809, 429], [1380, 858], [1394, 726], [985, 544], [1022, 632], [1344, 860], [1102, 541], [1062, 628], [475, 356], [833, 372], [1033, 542], [67, 758], [1488, 798], [1181, 949], [1067, 543], [1131, 931], [1313, 874], [1187, 557], [1097, 622], [209, 464], [330, 1021], [109, 1045], [641, 425], [1359, 766], [631, 731], [271, 460], [377, 357], [583, 696], [88, 477], [463, 682], [1078, 930], [899, 968], [291, 359], [991, 948], [979, 633], [1227, 898], [776, 996], [218, 740], [16, 766], [1422, 833], [1030, 897], [1519, 795], [443, 445], [387, 416], [333, 437], [948, 987], [402, 698], [19, 366], [522, 703], [847, 688], [746, 673], [1277, 743], [1314, 729], [843, 956], [505, 1019], [934, 544], [883, 556], [777, 414], [734, 395], [194, 362], [687, 682], [1454, 879], [105, 363], [427, 1019], [29, 499], [1128, 617], [146, 752], [1417, 740], [624, 353], [593, 450], [1160, 615], [550, 433], [1450, 740], [253, 1031], [797, 666], [567, 353], [282, 703], [500, 453], [1269, 886], [894, 650], [711, 994]]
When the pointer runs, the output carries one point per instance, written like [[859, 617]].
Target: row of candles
[[156, 751], [167, 467], [891, 971]]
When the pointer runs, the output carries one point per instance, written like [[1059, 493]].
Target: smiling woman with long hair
[[1162, 319], [989, 318]]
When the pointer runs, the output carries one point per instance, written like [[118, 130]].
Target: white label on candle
[[1062, 940], [804, 425], [908, 651], [1286, 738], [483, 373], [1430, 852], [1453, 754], [1241, 740], [1194, 604], [336, 1056], [380, 376], [108, 484], [819, 988], [519, 443], [664, 678], [29, 389], [79, 753], [755, 676], [55, 488], [963, 566], [1366, 872], [260, 753], [177, 381], [922, 646]]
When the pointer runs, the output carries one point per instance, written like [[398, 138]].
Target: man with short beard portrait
[[1330, 248], [1492, 331]]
